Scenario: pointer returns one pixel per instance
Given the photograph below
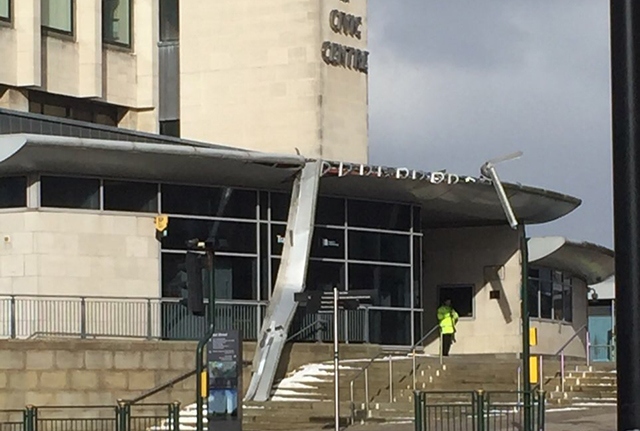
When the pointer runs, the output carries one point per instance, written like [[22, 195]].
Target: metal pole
[[336, 361], [625, 76], [413, 359], [390, 379], [526, 380], [562, 371], [588, 344], [366, 390], [203, 341]]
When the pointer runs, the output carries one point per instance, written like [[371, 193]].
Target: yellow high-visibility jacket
[[447, 318]]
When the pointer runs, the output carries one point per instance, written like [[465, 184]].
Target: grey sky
[[454, 83]]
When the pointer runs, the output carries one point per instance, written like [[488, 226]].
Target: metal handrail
[[162, 387], [560, 352], [311, 325], [365, 370]]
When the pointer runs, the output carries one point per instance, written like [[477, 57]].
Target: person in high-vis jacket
[[447, 319]]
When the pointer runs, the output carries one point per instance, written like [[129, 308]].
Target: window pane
[[545, 299], [58, 15], [461, 298], [378, 247], [174, 275], [568, 304], [208, 201], [116, 21], [379, 215], [5, 11], [278, 232], [324, 276], [417, 222], [170, 128], [130, 196], [391, 283], [534, 289], [330, 211], [13, 192], [391, 328], [235, 278], [417, 271], [64, 192], [557, 301], [169, 20], [263, 255], [228, 236], [328, 243], [280, 206]]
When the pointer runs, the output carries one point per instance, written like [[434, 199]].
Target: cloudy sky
[[454, 83]]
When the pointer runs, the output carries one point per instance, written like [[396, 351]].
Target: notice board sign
[[224, 368]]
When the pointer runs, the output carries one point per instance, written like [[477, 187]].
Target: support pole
[[625, 77], [211, 318], [526, 375], [336, 362]]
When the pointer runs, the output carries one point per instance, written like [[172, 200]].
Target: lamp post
[[488, 170], [625, 78]]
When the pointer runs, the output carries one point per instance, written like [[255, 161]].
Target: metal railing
[[477, 411], [561, 353], [87, 317], [364, 371], [122, 417]]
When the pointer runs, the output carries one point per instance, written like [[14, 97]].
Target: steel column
[[625, 74]]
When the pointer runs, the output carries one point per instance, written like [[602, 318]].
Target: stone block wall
[[98, 372]]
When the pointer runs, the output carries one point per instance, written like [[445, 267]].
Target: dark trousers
[[447, 340]]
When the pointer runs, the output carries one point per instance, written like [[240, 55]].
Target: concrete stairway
[[593, 385], [304, 398]]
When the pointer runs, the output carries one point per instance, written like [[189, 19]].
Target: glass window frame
[[72, 21], [9, 17], [25, 199], [555, 279], [42, 205], [111, 42]]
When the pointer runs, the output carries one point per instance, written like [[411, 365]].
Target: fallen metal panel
[[290, 280]]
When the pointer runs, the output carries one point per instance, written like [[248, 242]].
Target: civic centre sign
[[342, 169], [336, 54]]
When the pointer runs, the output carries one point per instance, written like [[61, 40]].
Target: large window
[[5, 10], [13, 192], [550, 294], [382, 252], [130, 196], [116, 21], [57, 15], [62, 192]]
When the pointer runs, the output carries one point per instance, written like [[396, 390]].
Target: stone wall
[[89, 372]]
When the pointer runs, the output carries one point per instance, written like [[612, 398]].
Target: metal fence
[[478, 411], [31, 316], [123, 417]]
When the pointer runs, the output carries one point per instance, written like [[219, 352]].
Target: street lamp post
[[489, 171], [625, 79]]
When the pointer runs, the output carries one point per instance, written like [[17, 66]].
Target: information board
[[224, 367]]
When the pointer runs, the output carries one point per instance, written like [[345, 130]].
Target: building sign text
[[336, 54]]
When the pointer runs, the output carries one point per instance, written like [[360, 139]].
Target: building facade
[[258, 76]]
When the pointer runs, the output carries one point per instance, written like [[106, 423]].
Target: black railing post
[[484, 406], [175, 416], [30, 418], [12, 317], [83, 318], [417, 410]]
